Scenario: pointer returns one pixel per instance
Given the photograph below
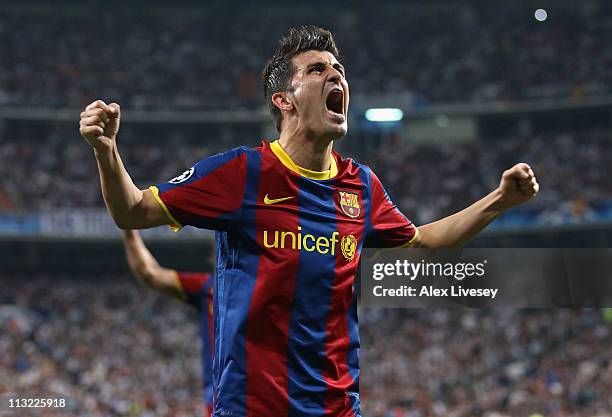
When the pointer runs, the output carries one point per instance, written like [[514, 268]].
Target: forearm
[[458, 229], [146, 268], [121, 196], [517, 186], [141, 261], [130, 207]]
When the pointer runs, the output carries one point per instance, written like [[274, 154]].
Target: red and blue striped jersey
[[198, 291], [288, 242]]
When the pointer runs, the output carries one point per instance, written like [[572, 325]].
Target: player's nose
[[335, 76]]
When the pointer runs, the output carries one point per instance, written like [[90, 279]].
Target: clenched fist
[[518, 184], [100, 123]]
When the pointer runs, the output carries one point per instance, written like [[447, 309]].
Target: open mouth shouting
[[334, 103]]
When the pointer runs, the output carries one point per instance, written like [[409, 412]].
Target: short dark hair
[[279, 69]]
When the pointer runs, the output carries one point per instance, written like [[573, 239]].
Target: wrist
[[499, 204], [103, 150]]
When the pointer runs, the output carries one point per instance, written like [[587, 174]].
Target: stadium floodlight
[[541, 15], [384, 115]]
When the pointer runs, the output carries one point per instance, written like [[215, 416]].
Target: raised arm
[[130, 207], [146, 268], [518, 185]]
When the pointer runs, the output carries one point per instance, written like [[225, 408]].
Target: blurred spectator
[[432, 181], [486, 363], [209, 57], [115, 348], [40, 171], [109, 346]]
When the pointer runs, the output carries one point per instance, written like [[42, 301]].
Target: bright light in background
[[384, 115], [540, 15], [442, 121]]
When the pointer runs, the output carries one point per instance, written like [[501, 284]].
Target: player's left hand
[[518, 185]]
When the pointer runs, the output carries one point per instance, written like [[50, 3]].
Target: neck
[[307, 152]]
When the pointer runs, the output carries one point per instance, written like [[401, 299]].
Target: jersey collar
[[280, 153]]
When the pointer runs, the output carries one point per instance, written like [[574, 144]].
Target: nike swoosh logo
[[275, 200]]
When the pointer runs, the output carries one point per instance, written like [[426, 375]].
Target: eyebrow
[[337, 66]]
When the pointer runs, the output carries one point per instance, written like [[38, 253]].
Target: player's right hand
[[100, 123]]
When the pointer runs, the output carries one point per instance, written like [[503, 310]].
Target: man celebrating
[[195, 288], [292, 217]]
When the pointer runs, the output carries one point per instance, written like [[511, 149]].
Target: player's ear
[[281, 101]]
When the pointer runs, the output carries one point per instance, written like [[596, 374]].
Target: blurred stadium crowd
[[573, 169], [429, 182], [115, 348], [111, 347], [201, 58], [437, 53], [486, 363]]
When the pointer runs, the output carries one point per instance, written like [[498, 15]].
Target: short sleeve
[[389, 227], [194, 286], [208, 195]]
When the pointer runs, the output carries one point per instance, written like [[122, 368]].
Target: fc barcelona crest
[[349, 202]]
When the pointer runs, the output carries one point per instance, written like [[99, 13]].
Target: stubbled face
[[320, 94]]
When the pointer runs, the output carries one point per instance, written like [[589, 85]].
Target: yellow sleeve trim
[[280, 153], [412, 241], [174, 224], [180, 291]]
